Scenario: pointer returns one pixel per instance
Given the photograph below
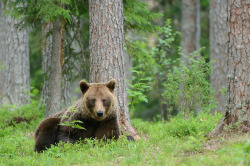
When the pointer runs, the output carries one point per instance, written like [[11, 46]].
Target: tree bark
[[238, 78], [107, 52], [53, 104], [218, 49], [46, 60], [2, 48], [66, 87], [74, 68], [190, 27], [15, 62]]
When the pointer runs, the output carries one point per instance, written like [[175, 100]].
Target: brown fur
[[95, 97], [46, 134]]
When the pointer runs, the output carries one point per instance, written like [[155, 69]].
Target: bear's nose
[[99, 114]]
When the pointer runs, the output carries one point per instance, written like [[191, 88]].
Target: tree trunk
[[15, 61], [107, 52], [66, 87], [128, 62], [190, 28], [2, 47], [238, 78], [46, 61], [73, 69], [54, 84], [218, 49]]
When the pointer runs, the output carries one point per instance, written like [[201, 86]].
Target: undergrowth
[[178, 142]]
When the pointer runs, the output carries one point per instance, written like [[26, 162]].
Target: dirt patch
[[213, 144], [225, 137]]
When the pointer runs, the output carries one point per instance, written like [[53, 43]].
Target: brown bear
[[96, 112]]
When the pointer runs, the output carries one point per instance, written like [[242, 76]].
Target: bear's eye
[[104, 101], [93, 101]]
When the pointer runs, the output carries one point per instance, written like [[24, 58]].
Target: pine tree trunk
[[66, 89], [53, 104], [15, 61], [73, 68], [238, 78], [2, 48], [218, 49], [190, 28], [107, 52], [46, 61]]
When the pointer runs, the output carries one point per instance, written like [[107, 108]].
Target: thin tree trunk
[[54, 98], [15, 61], [71, 71], [160, 97], [2, 48], [190, 32], [190, 27], [46, 61], [128, 67], [238, 79], [218, 49], [129, 58], [74, 67], [107, 52], [66, 88]]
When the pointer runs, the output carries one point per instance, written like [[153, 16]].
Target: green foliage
[[172, 9], [156, 59], [187, 87], [35, 57], [30, 112], [73, 124], [138, 17], [31, 11], [136, 91], [182, 86], [195, 126], [154, 63]]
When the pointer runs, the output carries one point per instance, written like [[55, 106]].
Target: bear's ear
[[83, 86], [111, 84]]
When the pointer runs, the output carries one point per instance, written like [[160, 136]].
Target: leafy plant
[[72, 123], [136, 91], [187, 87], [154, 63], [138, 17]]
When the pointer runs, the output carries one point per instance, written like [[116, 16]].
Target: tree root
[[227, 119], [218, 129], [127, 128]]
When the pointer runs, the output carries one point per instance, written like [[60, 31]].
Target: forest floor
[[178, 142]]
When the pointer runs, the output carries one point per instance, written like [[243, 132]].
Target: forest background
[[144, 26]]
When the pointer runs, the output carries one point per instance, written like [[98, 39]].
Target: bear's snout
[[99, 114]]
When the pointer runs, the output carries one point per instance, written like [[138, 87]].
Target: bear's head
[[99, 99]]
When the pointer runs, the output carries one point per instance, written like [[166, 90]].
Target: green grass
[[177, 142]]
